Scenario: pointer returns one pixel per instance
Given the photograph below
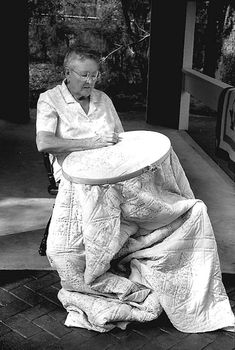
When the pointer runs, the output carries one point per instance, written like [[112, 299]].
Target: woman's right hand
[[49, 142], [106, 139]]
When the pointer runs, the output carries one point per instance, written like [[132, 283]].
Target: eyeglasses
[[86, 76]]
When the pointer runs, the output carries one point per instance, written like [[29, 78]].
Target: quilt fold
[[126, 252]]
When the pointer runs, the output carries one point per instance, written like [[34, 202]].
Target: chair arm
[[53, 185]]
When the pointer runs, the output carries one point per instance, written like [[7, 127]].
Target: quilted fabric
[[127, 251]]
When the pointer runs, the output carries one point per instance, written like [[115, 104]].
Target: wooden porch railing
[[200, 86], [203, 88]]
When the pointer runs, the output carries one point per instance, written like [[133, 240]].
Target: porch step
[[19, 251]]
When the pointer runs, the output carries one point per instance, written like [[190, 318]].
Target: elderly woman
[[74, 116], [127, 251]]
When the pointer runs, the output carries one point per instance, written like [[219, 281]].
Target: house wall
[[14, 62]]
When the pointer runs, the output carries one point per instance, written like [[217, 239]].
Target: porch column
[[14, 62], [187, 63], [167, 55]]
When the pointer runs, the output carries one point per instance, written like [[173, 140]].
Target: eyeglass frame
[[88, 75]]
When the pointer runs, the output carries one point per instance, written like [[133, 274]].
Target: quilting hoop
[[135, 153]]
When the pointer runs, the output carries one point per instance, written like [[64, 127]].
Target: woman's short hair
[[75, 52]]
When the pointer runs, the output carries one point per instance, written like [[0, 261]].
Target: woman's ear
[[66, 72]]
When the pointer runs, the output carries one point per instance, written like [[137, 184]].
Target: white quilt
[[125, 252]]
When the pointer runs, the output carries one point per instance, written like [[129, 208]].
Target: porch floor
[[31, 317], [25, 204]]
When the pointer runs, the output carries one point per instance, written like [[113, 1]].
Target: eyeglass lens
[[87, 76]]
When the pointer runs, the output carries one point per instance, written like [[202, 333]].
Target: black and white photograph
[[117, 175]]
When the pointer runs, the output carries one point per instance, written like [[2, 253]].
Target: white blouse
[[60, 113]]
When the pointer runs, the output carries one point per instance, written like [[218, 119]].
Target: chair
[[53, 190], [53, 185]]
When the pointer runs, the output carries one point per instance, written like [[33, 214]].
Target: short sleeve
[[118, 123], [47, 116]]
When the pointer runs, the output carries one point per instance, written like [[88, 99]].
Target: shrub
[[42, 76], [227, 69]]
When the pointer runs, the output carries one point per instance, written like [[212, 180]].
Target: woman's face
[[81, 76]]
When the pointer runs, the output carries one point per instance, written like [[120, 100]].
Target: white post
[[187, 62]]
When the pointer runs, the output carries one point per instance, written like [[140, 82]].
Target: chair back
[[53, 185]]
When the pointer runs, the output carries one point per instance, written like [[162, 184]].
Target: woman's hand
[[106, 139], [48, 142]]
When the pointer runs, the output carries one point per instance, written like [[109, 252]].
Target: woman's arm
[[48, 142], [118, 124]]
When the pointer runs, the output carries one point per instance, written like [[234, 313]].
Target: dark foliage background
[[119, 30]]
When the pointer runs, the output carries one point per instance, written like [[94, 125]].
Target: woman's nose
[[89, 79]]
